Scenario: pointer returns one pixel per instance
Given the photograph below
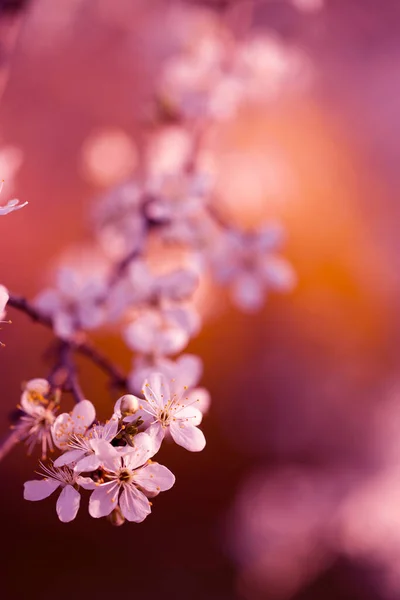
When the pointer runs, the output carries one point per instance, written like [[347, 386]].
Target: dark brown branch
[[84, 348]]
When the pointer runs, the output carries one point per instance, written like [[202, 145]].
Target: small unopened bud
[[116, 517], [129, 405]]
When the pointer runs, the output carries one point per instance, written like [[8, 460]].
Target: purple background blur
[[297, 492]]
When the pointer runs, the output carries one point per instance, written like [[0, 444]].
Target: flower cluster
[[160, 241], [114, 459]]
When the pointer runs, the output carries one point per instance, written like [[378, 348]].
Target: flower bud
[[129, 405]]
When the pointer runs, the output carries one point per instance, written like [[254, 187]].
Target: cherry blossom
[[68, 426], [119, 220], [69, 500], [38, 415], [184, 372], [249, 263], [167, 410], [82, 448], [162, 332], [73, 304], [128, 477]]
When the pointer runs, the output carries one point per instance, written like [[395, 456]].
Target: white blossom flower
[[166, 409], [68, 426], [119, 220], [82, 448], [177, 201], [249, 264], [156, 288], [162, 331], [129, 475], [69, 499], [34, 426], [183, 372], [73, 304]]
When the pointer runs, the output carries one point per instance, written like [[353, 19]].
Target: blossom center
[[164, 416], [124, 476]]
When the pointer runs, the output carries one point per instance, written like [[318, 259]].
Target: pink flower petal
[[155, 478], [156, 390], [83, 416], [87, 464], [142, 451], [68, 457], [103, 499], [188, 436], [38, 489], [134, 505], [68, 504]]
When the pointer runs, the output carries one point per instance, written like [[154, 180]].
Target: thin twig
[[84, 348]]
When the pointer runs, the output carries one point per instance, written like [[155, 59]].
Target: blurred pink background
[[297, 494]]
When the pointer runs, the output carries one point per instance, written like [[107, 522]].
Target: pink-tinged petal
[[142, 451], [279, 274], [155, 478], [189, 415], [3, 300], [68, 504], [109, 456], [87, 464], [110, 429], [38, 385], [140, 335], [190, 369], [157, 434], [201, 399], [134, 505], [248, 292], [61, 430], [38, 489], [187, 436], [87, 483], [83, 416], [156, 390], [103, 500], [68, 457]]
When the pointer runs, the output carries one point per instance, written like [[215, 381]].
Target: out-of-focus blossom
[[248, 263], [211, 79], [119, 220], [154, 288], [3, 301], [75, 423], [308, 6], [38, 416], [73, 305], [184, 372], [162, 331], [264, 65], [177, 201], [167, 409], [69, 500], [128, 476]]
